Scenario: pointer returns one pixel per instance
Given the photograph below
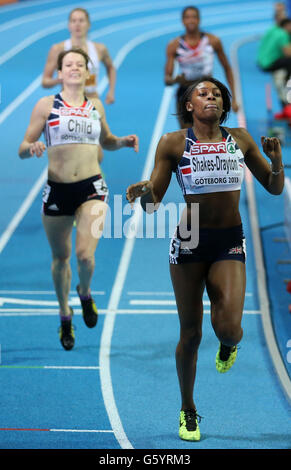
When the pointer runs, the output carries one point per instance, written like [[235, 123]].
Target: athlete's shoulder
[[175, 135], [99, 46], [174, 43], [213, 39], [46, 101], [242, 137], [173, 140], [240, 132], [98, 105], [57, 47], [43, 107]]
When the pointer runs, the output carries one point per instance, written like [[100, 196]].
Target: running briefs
[[65, 198], [213, 245]]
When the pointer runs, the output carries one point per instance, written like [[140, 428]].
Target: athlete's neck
[[73, 96], [207, 132], [79, 42], [192, 36]]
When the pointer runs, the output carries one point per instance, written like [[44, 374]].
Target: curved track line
[[122, 11]]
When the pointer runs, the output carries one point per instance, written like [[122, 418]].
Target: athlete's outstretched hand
[[137, 190]]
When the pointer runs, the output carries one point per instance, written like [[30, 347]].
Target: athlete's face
[[74, 69], [191, 20], [78, 24], [206, 102]]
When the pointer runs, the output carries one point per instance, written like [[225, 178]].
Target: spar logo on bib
[[230, 147]]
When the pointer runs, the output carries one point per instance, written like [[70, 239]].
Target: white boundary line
[[258, 251]]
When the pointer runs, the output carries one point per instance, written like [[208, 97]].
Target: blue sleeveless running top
[[72, 125], [210, 167]]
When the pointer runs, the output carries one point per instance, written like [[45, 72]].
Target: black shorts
[[65, 198], [213, 245]]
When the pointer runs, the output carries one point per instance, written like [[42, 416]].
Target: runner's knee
[[190, 338]]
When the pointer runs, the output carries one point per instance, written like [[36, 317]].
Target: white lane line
[[10, 229], [18, 312], [105, 346], [165, 293], [10, 300]]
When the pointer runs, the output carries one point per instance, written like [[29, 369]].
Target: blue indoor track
[[118, 389]]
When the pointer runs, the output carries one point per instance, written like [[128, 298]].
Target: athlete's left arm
[[218, 47], [111, 72], [270, 175], [108, 140]]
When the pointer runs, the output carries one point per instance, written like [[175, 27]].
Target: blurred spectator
[[275, 56]]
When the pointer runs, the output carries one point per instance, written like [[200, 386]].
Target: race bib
[[79, 125], [215, 164]]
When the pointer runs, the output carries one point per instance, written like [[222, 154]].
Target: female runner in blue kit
[[208, 160], [73, 127]]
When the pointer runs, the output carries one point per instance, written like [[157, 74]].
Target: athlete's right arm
[[152, 191], [170, 65], [30, 145], [48, 80]]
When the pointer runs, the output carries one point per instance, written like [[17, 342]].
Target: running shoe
[[225, 357], [66, 333], [189, 429], [89, 309]]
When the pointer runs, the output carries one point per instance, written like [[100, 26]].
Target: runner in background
[[79, 25], [195, 51]]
